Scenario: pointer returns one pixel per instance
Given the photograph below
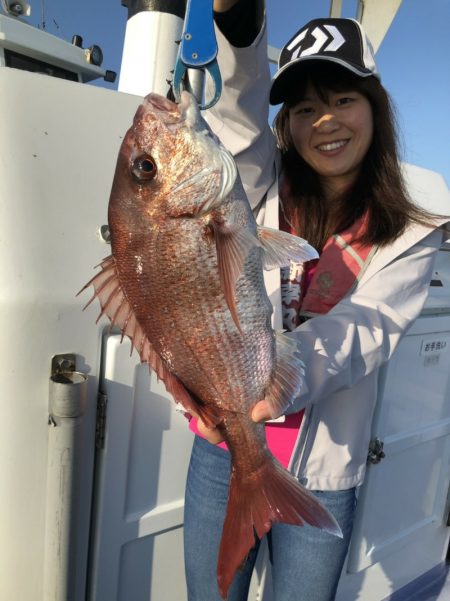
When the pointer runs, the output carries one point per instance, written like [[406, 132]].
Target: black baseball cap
[[341, 41]]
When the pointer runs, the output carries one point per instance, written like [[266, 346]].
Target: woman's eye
[[304, 110], [344, 100], [144, 168]]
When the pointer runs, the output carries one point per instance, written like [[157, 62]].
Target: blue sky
[[413, 59]]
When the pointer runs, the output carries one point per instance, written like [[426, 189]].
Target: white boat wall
[[94, 511], [60, 146]]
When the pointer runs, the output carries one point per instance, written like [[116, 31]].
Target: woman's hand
[[220, 6], [260, 413], [212, 435]]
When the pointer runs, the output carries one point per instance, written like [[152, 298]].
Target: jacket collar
[[413, 234]]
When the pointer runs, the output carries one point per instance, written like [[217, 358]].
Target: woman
[[335, 180]]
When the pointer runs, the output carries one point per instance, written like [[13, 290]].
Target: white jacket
[[343, 349]]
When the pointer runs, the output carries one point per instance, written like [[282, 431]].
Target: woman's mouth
[[330, 146]]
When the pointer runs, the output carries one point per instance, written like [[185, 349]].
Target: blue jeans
[[306, 562]]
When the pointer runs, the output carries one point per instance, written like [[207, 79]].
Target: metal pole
[[150, 49], [335, 8], [273, 54], [67, 404]]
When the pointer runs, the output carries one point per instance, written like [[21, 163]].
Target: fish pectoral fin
[[287, 377], [114, 304], [280, 248], [233, 244]]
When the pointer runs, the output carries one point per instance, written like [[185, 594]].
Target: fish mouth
[[172, 114], [160, 103], [168, 112]]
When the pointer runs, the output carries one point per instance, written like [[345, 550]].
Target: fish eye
[[144, 168]]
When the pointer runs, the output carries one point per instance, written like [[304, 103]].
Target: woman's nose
[[326, 123]]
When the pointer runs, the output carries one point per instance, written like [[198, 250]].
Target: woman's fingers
[[261, 412], [212, 435]]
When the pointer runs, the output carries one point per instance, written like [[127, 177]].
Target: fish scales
[[180, 275], [185, 284]]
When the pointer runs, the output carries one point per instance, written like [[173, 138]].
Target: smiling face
[[332, 134]]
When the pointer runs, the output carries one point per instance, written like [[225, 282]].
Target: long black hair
[[379, 190]]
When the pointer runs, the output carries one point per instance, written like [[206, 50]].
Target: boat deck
[[444, 593], [432, 586]]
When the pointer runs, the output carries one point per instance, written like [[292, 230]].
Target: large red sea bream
[[185, 283]]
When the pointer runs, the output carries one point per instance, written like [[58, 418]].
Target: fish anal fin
[[288, 374], [280, 248], [114, 304], [254, 504], [233, 243]]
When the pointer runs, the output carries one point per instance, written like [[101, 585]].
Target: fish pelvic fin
[[280, 248], [233, 243], [255, 503], [288, 376], [114, 304]]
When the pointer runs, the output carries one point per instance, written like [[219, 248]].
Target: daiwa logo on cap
[[341, 41], [321, 41]]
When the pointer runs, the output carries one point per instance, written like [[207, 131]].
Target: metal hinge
[[376, 453], [100, 426]]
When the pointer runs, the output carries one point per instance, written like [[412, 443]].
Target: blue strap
[[198, 48]]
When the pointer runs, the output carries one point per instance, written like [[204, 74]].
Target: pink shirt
[[281, 436]]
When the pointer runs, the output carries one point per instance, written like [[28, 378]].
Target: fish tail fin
[[254, 504]]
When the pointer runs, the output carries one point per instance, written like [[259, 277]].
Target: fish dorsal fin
[[280, 248], [233, 243], [114, 304], [288, 375]]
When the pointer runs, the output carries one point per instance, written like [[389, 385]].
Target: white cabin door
[[137, 550], [402, 508]]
